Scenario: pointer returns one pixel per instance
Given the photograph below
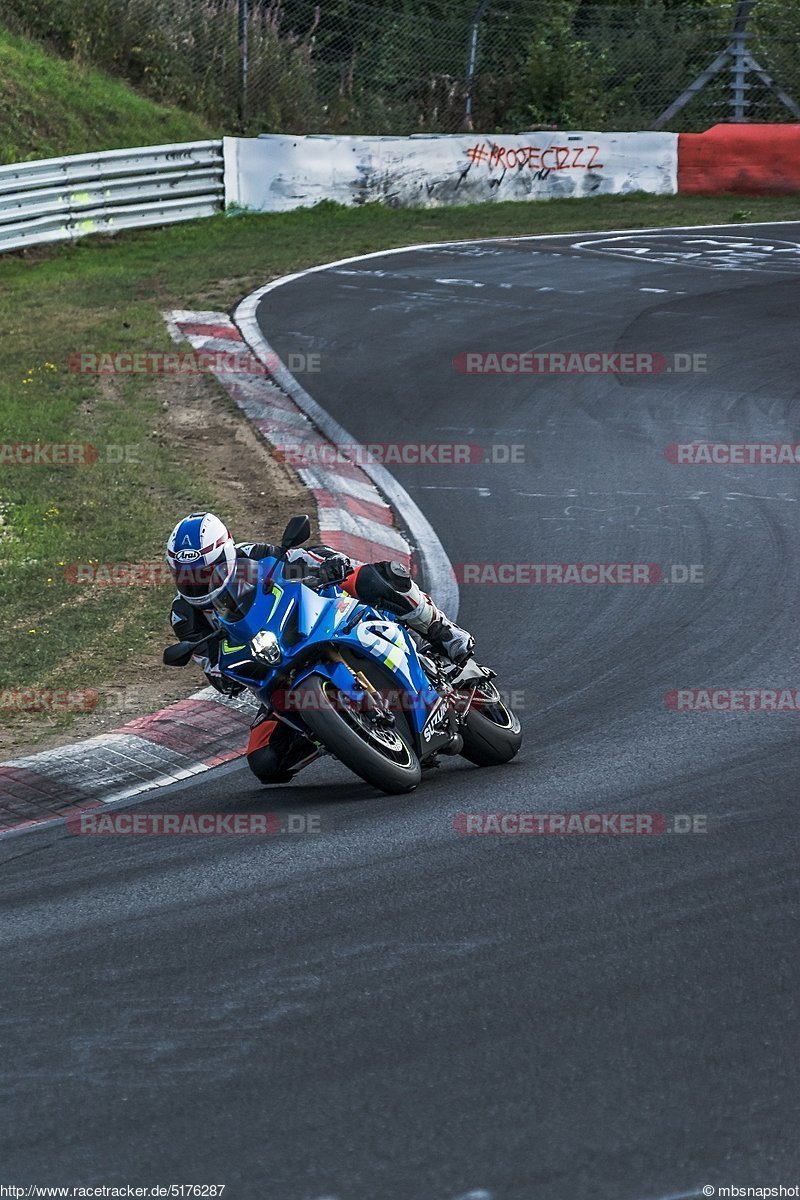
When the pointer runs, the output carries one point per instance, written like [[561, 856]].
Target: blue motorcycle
[[350, 677]]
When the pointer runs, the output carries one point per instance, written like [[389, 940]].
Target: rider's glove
[[333, 569]]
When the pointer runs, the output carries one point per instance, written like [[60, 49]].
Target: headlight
[[265, 646]]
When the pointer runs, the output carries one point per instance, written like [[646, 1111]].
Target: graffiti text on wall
[[549, 158]]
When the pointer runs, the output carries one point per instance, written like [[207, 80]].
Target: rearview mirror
[[178, 654], [296, 532]]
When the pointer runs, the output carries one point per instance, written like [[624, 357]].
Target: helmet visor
[[232, 602], [194, 581], [197, 581]]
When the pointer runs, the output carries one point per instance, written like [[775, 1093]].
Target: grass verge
[[51, 107], [108, 295]]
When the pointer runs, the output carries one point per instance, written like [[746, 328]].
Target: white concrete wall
[[275, 173]]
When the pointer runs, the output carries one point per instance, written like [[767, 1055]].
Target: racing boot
[[275, 753], [431, 623]]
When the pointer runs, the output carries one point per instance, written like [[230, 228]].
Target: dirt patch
[[255, 494]]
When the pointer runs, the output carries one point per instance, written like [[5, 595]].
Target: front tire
[[381, 757], [491, 732]]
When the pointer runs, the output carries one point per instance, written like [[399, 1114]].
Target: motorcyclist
[[204, 560]]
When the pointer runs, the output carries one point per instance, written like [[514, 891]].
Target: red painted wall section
[[751, 159]]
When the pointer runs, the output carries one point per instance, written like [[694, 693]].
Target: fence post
[[472, 55], [742, 62], [739, 64], [244, 15]]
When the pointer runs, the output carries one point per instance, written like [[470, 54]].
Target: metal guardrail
[[58, 199]]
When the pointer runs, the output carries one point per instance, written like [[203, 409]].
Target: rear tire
[[380, 757], [491, 732]]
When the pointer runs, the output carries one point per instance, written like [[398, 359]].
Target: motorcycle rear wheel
[[491, 732]]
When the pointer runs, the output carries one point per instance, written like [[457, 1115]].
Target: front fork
[[348, 682]]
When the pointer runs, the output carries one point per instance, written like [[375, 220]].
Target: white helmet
[[202, 556]]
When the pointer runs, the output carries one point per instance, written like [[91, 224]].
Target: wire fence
[[351, 66]]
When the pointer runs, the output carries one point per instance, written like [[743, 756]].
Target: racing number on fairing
[[377, 643]]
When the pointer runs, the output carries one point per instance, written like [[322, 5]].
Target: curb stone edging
[[432, 560], [183, 739], [353, 517]]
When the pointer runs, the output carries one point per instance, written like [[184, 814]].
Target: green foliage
[[50, 107], [185, 54], [563, 82], [361, 66], [593, 66]]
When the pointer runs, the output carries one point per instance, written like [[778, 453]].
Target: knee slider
[[395, 574], [375, 588]]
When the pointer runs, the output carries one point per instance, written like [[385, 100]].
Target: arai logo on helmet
[[187, 556]]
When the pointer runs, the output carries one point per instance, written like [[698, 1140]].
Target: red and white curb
[[353, 516], [429, 556], [194, 735], [183, 739]]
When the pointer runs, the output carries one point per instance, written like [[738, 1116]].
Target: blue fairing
[[301, 619]]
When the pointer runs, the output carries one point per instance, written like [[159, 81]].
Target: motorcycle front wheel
[[380, 755]]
